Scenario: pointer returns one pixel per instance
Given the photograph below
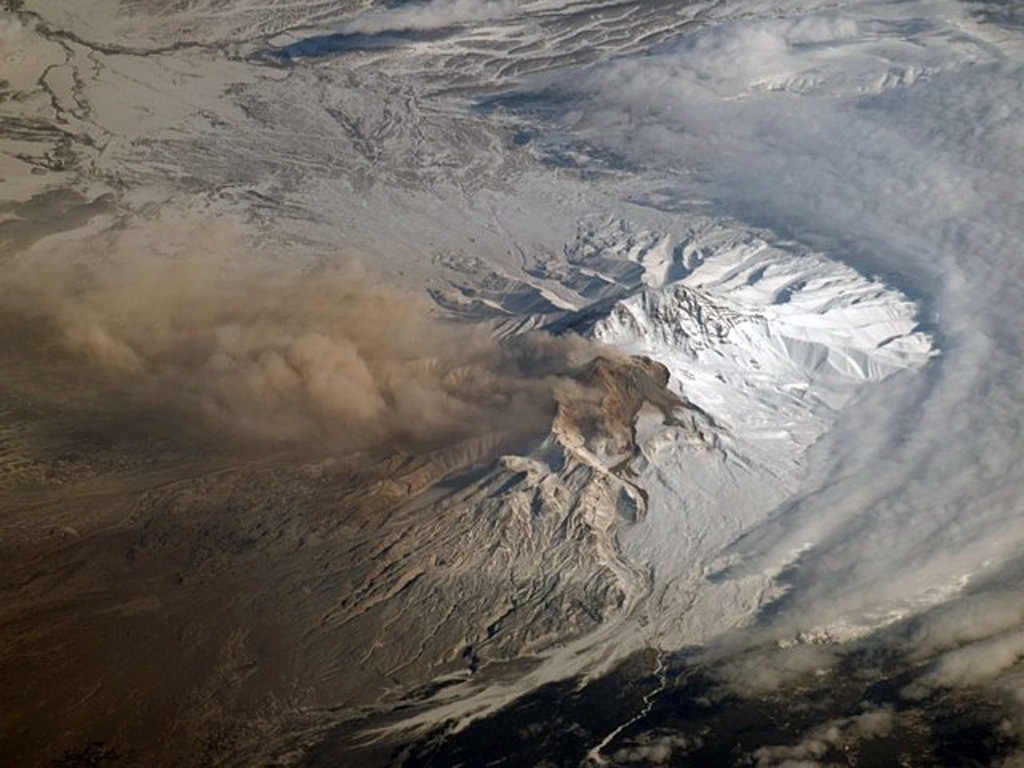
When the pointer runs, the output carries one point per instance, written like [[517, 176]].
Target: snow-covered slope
[[771, 341]]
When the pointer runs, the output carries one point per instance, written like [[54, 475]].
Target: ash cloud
[[329, 357]]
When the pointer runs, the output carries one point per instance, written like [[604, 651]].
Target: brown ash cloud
[[325, 357]]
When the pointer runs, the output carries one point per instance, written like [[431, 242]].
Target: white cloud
[[654, 749], [890, 136], [771, 666], [968, 620], [836, 734], [979, 662]]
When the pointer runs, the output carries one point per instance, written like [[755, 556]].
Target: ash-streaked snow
[[743, 281]]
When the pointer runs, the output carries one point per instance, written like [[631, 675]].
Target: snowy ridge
[[756, 324]]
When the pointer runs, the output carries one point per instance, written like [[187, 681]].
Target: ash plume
[[328, 357]]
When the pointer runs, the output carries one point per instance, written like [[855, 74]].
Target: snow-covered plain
[[790, 244]]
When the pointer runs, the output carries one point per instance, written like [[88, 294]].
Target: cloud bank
[[888, 136]]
